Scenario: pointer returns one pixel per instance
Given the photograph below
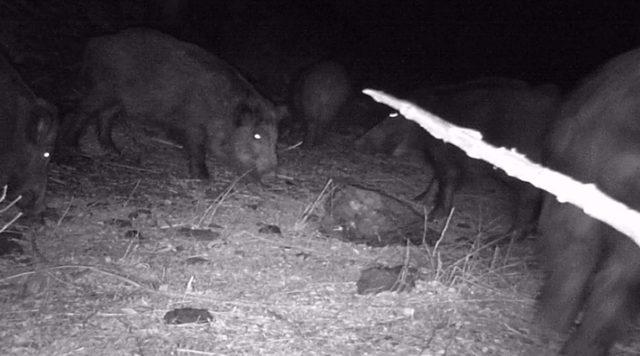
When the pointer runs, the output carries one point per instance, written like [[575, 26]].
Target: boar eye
[[46, 155], [394, 114], [257, 136]]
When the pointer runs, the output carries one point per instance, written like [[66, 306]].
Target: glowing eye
[[46, 155], [257, 136], [394, 114]]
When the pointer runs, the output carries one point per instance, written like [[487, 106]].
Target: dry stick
[[6, 226], [444, 231], [583, 195], [136, 285], [196, 352], [433, 254], [165, 142], [12, 203], [305, 214], [92, 268], [425, 226], [401, 280], [292, 147], [476, 251], [126, 166], [213, 208], [64, 214], [126, 202], [436, 255]]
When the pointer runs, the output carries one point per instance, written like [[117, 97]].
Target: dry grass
[[114, 260]]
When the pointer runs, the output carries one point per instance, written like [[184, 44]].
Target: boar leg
[[72, 128], [313, 130], [527, 210], [570, 251], [105, 126], [196, 147], [448, 173], [612, 306]]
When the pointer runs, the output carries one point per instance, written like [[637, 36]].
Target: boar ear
[[42, 123]]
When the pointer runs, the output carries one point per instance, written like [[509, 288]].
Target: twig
[[11, 203], [401, 280], [307, 212], [66, 212], [433, 254], [425, 225], [211, 210], [126, 202], [6, 226], [92, 268], [165, 142], [292, 147], [483, 247], [120, 165], [196, 352], [444, 230]]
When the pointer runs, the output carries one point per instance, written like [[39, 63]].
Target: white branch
[[586, 196]]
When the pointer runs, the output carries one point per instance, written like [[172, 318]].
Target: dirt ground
[[118, 251]]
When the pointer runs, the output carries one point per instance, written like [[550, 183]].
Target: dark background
[[394, 45]]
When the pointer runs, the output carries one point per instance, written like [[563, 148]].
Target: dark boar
[[317, 95], [589, 266], [27, 135], [507, 112], [202, 101]]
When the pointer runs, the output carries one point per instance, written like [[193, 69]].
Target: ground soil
[[118, 251]]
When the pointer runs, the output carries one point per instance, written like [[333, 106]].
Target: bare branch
[[584, 195]]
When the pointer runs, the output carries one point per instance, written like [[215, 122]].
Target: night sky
[[395, 45]]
